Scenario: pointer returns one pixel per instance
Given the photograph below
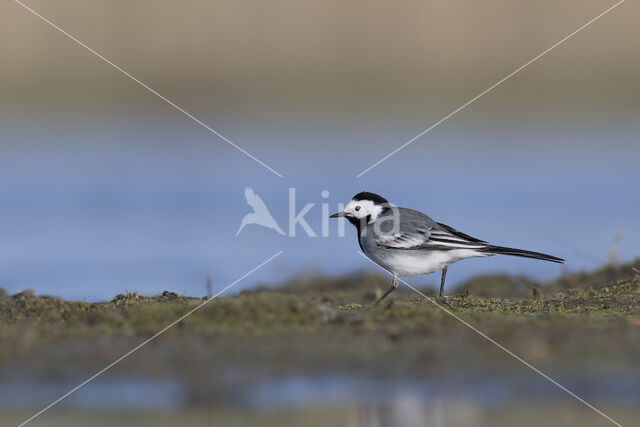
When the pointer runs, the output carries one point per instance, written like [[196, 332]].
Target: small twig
[[209, 287]]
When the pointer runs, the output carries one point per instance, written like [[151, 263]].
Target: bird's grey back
[[407, 222]]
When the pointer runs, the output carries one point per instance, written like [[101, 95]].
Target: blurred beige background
[[302, 57]]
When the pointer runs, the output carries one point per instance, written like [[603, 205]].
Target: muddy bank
[[317, 324]]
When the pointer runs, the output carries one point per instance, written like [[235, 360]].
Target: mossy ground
[[323, 324]]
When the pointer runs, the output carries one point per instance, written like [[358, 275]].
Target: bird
[[260, 214], [407, 242]]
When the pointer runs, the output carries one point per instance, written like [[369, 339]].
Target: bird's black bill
[[338, 215]]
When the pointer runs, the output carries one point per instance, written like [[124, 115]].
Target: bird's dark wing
[[418, 231], [444, 237], [404, 240], [460, 234]]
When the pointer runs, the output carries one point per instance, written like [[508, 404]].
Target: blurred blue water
[[90, 211], [327, 390]]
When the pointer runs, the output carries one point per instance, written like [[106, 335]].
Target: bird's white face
[[363, 208]]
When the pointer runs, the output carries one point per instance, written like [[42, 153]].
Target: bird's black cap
[[365, 195]]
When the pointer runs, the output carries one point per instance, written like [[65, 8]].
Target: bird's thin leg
[[444, 274], [394, 285]]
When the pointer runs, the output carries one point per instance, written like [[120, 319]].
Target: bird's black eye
[[357, 208]]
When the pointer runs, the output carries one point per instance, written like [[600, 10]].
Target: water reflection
[[333, 399]]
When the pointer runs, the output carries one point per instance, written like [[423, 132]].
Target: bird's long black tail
[[501, 250]]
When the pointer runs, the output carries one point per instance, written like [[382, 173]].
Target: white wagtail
[[409, 243]]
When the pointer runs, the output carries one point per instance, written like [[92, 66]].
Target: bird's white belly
[[416, 263]]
